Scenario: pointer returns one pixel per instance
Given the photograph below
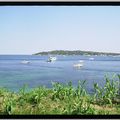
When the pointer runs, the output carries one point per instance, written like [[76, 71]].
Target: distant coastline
[[75, 52]]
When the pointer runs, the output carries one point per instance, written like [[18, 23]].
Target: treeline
[[75, 52]]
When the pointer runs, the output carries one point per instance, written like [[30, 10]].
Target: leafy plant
[[62, 99], [106, 94]]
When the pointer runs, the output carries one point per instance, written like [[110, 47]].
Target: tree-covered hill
[[75, 52]]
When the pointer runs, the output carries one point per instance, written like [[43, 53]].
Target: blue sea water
[[13, 74]]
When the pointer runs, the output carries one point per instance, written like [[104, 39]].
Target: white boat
[[25, 62], [51, 59], [91, 58], [81, 61], [64, 55], [78, 65]]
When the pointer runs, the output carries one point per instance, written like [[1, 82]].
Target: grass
[[63, 99]]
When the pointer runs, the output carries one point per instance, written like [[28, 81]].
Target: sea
[[14, 75]]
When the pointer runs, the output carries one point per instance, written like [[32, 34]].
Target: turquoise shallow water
[[13, 74]]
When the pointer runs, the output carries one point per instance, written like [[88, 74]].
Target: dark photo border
[[58, 3]]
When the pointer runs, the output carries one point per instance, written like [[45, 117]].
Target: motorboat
[[51, 59], [81, 61], [25, 62], [91, 58], [79, 64]]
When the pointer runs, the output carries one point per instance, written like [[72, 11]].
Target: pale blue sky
[[28, 29]]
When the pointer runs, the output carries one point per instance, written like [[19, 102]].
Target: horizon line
[[55, 50]]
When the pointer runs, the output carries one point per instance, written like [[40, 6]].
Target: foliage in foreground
[[63, 99]]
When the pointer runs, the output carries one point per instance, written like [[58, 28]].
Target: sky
[[32, 29]]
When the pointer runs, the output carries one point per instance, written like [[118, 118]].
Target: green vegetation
[[63, 99], [75, 52]]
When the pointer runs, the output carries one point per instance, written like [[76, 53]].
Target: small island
[[75, 52]]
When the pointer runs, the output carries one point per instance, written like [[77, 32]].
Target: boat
[[25, 62], [51, 59], [78, 65], [91, 58], [81, 61]]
